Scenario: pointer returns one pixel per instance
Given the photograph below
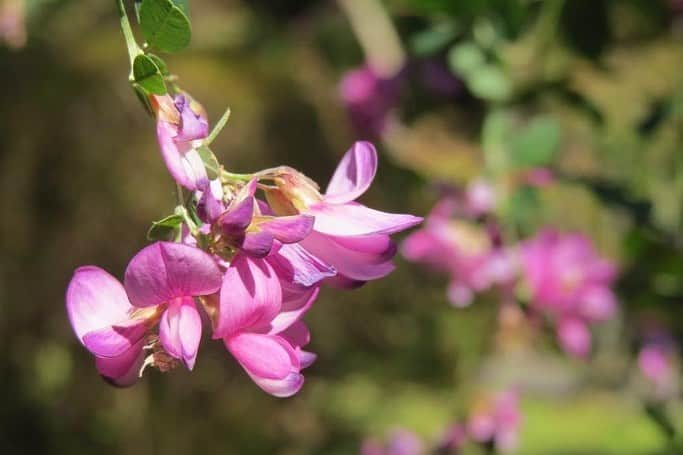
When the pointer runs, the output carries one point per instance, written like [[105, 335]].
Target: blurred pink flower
[[399, 442], [13, 23], [656, 361], [571, 283], [497, 422], [369, 98], [462, 249], [453, 439]]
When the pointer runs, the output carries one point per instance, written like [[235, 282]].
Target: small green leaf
[[163, 68], [466, 58], [148, 75], [432, 40], [165, 229], [489, 82], [165, 25], [210, 161], [536, 144]]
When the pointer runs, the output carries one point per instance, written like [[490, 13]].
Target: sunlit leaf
[[165, 25], [166, 228], [536, 144]]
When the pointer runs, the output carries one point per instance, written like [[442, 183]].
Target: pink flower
[[399, 442], [462, 249], [181, 125], [350, 237], [369, 98], [259, 322], [656, 361], [160, 283], [571, 283], [498, 422]]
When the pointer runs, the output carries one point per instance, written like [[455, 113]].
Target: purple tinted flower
[[350, 237], [181, 125], [369, 98], [497, 422], [571, 283], [437, 78], [462, 249]]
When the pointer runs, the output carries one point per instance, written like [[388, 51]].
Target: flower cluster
[[494, 422], [564, 277], [249, 251]]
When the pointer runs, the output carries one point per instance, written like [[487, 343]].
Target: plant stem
[[131, 44], [217, 129]]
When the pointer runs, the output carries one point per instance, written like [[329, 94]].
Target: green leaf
[[489, 82], [165, 25], [432, 40], [165, 229], [163, 68], [466, 58], [536, 144], [148, 75], [210, 161], [183, 5]]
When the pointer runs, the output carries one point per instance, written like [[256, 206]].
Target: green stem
[[133, 48], [218, 128], [229, 176]]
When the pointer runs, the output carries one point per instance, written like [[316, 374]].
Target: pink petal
[[182, 161], [353, 219], [265, 356], [257, 244], [295, 303], [574, 336], [122, 370], [163, 271], [289, 229], [237, 219], [281, 388], [210, 205], [354, 174], [95, 300], [180, 331], [192, 125], [346, 258], [598, 303], [114, 340], [251, 296], [294, 264]]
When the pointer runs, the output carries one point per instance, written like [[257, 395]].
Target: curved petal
[[349, 262], [180, 331], [257, 244], [95, 300], [251, 296], [164, 270], [269, 360], [122, 370], [114, 340], [294, 264], [193, 125], [295, 304], [237, 219], [354, 174], [182, 161], [288, 229], [353, 219]]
